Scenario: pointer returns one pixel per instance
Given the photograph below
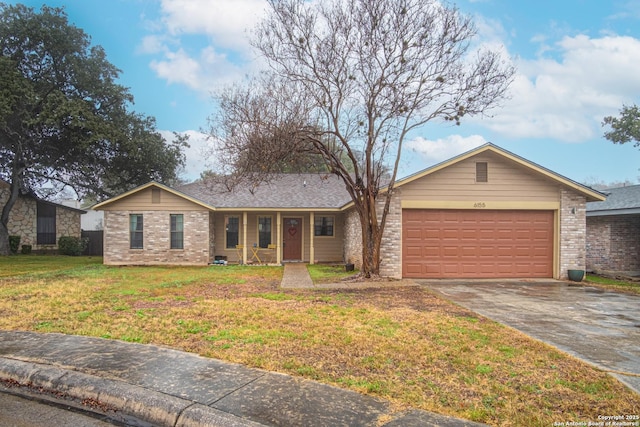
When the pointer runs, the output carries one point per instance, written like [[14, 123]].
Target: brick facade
[[391, 246], [613, 244], [352, 238], [156, 239], [572, 232]]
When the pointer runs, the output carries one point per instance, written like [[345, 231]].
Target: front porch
[[274, 237]]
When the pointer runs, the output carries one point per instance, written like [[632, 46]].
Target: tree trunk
[[16, 184], [4, 240]]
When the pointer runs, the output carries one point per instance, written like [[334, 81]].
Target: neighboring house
[[613, 232], [38, 222], [90, 220], [484, 213]]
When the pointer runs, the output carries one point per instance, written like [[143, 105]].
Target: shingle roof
[[284, 191], [620, 201]]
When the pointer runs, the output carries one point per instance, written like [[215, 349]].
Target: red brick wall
[[613, 243]]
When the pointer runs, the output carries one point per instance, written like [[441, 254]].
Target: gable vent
[[482, 173], [155, 195]]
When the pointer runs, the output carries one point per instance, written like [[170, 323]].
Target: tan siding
[[507, 181], [330, 249], [221, 236], [141, 201]]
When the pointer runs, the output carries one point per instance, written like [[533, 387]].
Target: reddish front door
[[292, 239]]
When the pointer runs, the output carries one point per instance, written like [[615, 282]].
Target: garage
[[463, 243]]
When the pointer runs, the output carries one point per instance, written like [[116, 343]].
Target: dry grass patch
[[400, 343]]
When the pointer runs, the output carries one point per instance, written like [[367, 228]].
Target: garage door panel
[[470, 243]]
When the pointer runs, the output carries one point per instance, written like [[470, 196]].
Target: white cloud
[[225, 21], [566, 98], [444, 148], [202, 74], [196, 155]]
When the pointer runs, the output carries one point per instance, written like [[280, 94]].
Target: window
[[46, 224], [177, 231], [232, 228], [135, 231], [482, 174], [264, 231], [323, 226]]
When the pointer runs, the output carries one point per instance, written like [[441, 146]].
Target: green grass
[[613, 284], [400, 343], [328, 273]]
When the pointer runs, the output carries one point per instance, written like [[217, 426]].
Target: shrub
[[26, 249], [14, 244], [74, 246]]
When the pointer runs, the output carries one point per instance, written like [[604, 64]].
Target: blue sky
[[577, 61]]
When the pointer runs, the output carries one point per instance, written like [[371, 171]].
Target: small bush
[[14, 244], [26, 249], [74, 246]]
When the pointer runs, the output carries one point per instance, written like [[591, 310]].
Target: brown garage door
[[477, 243]]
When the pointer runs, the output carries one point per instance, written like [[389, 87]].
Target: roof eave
[[149, 184]]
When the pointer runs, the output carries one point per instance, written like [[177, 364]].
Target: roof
[[282, 191], [32, 195], [589, 193], [322, 191], [620, 201]]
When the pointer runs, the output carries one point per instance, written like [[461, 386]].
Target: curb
[[115, 399]]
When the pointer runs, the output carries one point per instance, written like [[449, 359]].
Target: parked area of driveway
[[599, 327]]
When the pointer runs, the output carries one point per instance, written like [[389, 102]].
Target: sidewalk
[[149, 385]]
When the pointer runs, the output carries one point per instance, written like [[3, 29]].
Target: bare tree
[[351, 79]]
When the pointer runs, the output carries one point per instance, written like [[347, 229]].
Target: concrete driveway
[[600, 327]]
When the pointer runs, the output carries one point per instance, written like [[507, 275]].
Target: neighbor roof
[[283, 191], [620, 201]]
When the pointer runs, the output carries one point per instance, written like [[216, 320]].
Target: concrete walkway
[[146, 385], [296, 276]]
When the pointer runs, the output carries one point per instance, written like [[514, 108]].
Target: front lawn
[[613, 284], [402, 343]]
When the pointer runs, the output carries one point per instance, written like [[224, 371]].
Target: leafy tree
[[351, 79], [64, 120], [625, 128]]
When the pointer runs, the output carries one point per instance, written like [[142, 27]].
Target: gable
[[150, 198], [527, 173], [506, 181]]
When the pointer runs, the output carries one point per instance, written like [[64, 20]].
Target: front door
[[292, 239]]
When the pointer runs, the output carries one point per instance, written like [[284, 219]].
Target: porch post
[[244, 236], [312, 251], [278, 238]]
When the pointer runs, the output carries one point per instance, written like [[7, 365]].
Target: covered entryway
[[292, 239], [452, 243]]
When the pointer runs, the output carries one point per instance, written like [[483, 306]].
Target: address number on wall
[[480, 205]]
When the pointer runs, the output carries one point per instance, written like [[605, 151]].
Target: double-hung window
[[232, 229], [136, 228], [46, 224], [177, 231], [264, 231], [323, 226]]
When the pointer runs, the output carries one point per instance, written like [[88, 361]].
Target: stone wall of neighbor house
[[572, 232], [156, 239], [68, 223], [23, 221], [613, 244], [391, 246]]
